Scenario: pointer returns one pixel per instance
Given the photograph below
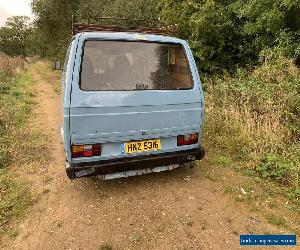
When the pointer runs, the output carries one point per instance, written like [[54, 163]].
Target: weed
[[135, 239], [272, 205], [46, 191], [244, 198], [248, 172], [221, 160], [187, 221], [47, 179], [161, 228], [275, 220], [248, 189], [251, 230], [105, 247], [228, 190], [12, 233], [229, 220], [267, 232], [211, 178]]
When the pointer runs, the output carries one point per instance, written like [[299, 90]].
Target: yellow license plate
[[142, 146]]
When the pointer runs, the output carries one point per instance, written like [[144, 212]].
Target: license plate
[[141, 146]]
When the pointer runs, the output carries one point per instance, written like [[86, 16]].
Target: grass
[[228, 190], [19, 144], [251, 230], [221, 160], [105, 247], [252, 122], [276, 220], [45, 69], [15, 105], [15, 198]]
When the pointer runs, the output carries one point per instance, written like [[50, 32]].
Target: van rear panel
[[112, 126], [144, 109]]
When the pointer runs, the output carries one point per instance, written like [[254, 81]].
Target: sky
[[14, 8]]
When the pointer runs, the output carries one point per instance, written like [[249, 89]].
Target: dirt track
[[181, 209]]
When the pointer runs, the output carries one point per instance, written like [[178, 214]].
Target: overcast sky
[[14, 8]]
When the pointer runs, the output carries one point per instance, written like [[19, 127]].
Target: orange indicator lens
[[190, 139], [86, 150]]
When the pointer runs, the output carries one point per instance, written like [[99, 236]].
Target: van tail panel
[[112, 125], [125, 123], [114, 129]]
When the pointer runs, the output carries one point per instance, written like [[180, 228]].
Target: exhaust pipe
[[191, 158]]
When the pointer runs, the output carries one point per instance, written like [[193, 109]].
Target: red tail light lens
[[86, 150], [187, 139]]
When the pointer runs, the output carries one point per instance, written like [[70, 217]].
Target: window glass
[[120, 65]]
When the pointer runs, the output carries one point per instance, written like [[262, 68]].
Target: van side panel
[[67, 89], [197, 79]]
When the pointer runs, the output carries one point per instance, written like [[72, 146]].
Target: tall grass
[[18, 146], [10, 66], [253, 118]]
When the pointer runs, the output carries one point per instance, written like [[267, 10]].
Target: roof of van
[[130, 36]]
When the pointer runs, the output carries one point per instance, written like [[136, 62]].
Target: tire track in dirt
[[180, 209]]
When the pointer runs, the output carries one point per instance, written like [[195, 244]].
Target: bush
[[253, 118], [9, 66]]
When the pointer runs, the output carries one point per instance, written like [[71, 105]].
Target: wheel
[[70, 171]]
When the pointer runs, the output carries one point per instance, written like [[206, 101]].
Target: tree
[[229, 33], [54, 25], [270, 24], [224, 34], [213, 31], [54, 18], [14, 36], [132, 10]]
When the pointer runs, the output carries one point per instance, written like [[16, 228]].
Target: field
[[209, 206]]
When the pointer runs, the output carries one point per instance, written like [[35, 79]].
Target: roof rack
[[133, 25]]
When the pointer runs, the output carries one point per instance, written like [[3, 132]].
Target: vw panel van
[[132, 104]]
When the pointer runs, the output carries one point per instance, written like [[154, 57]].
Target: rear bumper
[[86, 169]]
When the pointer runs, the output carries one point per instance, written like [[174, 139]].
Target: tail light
[[187, 139], [86, 150]]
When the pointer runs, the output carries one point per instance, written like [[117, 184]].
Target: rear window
[[120, 65]]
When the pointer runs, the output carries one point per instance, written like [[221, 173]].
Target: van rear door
[[134, 90]]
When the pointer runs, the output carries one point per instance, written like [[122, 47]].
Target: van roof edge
[[80, 28]]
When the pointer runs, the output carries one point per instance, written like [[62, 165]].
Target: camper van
[[132, 104]]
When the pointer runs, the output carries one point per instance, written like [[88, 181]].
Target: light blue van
[[132, 104]]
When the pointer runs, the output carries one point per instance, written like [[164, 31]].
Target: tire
[[70, 172]]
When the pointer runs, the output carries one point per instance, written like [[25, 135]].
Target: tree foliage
[[54, 18], [53, 23], [134, 9], [229, 33], [14, 36], [224, 34]]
